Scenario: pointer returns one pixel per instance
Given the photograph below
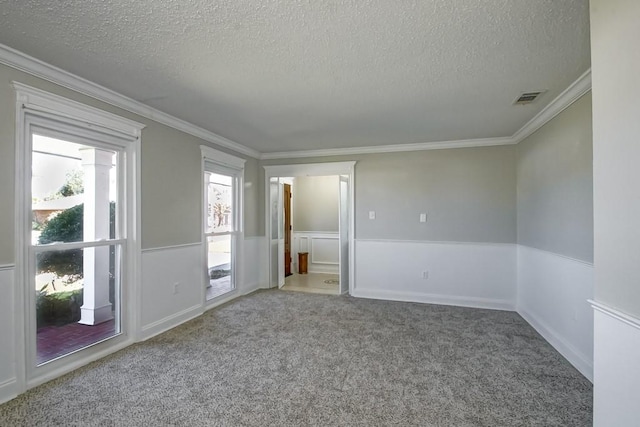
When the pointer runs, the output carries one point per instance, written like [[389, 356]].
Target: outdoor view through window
[[75, 246], [219, 228]]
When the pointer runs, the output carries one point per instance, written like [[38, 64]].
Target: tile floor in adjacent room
[[312, 283]]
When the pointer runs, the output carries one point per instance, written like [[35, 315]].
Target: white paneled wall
[[616, 373], [553, 294], [323, 249], [162, 269], [255, 275], [8, 384], [466, 274]]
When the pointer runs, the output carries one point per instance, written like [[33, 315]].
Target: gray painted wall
[[616, 152], [170, 174], [315, 203], [469, 194], [555, 185]]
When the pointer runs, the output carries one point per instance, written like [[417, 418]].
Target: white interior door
[[344, 224], [277, 233], [280, 234]]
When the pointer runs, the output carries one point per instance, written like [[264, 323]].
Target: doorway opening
[[310, 227]]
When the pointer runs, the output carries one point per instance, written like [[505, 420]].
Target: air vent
[[528, 97]]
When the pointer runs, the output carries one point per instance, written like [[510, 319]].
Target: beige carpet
[[278, 358]]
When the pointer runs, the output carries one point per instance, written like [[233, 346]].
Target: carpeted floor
[[293, 359]]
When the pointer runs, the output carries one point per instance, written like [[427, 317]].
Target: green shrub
[[67, 226], [59, 308]]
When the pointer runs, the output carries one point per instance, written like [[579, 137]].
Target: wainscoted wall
[[323, 249], [466, 274], [553, 294], [162, 268], [8, 384], [616, 374], [255, 276]]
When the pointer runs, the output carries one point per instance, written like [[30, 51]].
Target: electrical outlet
[[372, 214], [423, 217], [176, 288], [425, 275]]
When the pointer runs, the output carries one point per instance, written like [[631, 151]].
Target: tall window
[[77, 216], [222, 202], [76, 243]]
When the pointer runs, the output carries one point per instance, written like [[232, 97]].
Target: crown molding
[[561, 102], [570, 95], [421, 146], [41, 69]]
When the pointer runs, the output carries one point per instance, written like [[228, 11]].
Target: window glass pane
[[77, 299], [219, 197], [69, 179], [219, 265]]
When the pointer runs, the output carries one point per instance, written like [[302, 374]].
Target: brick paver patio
[[56, 341]]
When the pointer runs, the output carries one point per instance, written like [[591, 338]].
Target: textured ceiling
[[278, 75]]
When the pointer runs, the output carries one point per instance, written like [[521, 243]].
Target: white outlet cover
[[423, 217], [372, 214]]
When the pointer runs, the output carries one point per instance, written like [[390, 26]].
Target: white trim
[[33, 108], [570, 95], [616, 314], [222, 158], [41, 69], [580, 361], [44, 103], [170, 322], [310, 169], [167, 248], [8, 390], [7, 267], [219, 162], [66, 246], [78, 363], [314, 260], [327, 233], [435, 242], [472, 302], [225, 298], [589, 263], [396, 148], [616, 354]]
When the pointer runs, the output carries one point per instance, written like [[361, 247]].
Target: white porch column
[[96, 307]]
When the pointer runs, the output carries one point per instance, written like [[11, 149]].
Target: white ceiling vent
[[528, 97]]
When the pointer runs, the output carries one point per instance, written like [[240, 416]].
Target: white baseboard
[[553, 294], [170, 322], [9, 387], [581, 362], [616, 393], [389, 295], [250, 288], [8, 390], [326, 269]]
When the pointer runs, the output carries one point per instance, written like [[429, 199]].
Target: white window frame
[[216, 161], [35, 107]]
